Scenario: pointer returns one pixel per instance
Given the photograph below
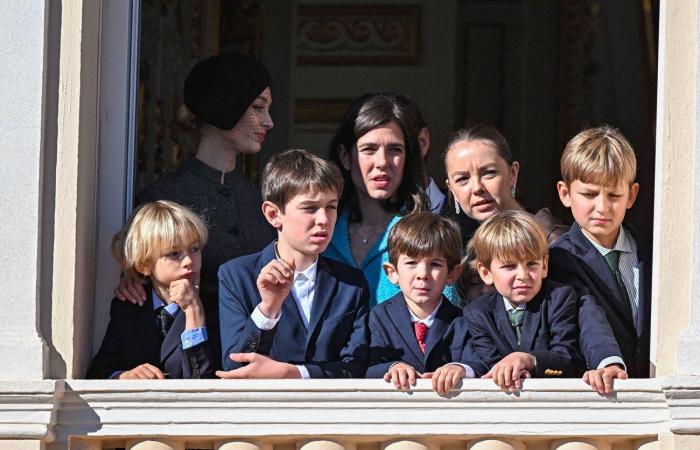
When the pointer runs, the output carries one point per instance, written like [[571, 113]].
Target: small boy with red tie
[[412, 334]]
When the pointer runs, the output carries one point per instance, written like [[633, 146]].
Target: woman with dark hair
[[482, 177], [229, 96], [382, 168]]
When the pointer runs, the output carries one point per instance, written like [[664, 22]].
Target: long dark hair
[[362, 116]]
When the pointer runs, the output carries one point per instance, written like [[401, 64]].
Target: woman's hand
[[130, 289]]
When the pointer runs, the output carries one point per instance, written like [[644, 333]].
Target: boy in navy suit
[[598, 255], [165, 337], [412, 334], [528, 325], [287, 312]]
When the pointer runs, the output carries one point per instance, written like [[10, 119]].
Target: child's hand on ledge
[[259, 366], [509, 372], [402, 375], [445, 378], [142, 372], [601, 380]]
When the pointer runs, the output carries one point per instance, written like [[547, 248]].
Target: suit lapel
[[443, 319], [146, 320], [400, 317], [597, 263], [531, 322], [502, 323], [324, 292], [172, 339]]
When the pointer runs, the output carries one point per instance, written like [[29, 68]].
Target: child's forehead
[[601, 185], [427, 255], [313, 194]]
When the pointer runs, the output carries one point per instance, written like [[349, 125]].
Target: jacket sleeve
[[462, 348], [354, 355], [238, 331], [485, 348], [381, 353], [597, 340], [562, 357], [110, 356], [199, 361]]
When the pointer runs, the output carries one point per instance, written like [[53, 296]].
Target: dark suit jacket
[[133, 338], [393, 340], [549, 331], [575, 261], [336, 342]]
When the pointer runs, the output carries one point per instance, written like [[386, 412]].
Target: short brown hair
[[509, 236], [600, 155], [298, 171], [152, 231], [423, 234]]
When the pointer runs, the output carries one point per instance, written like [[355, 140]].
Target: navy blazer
[[336, 342], [575, 261], [133, 338], [393, 340], [549, 331]]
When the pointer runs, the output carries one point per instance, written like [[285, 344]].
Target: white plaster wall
[[22, 32]]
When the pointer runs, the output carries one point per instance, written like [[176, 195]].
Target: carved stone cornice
[[28, 409]]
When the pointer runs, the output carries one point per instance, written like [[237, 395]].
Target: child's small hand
[[274, 284], [142, 372], [185, 293], [402, 375], [601, 380], [446, 377], [508, 372], [259, 366]]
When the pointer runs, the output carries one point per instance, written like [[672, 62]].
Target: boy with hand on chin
[[412, 334], [166, 336], [287, 312], [601, 257], [528, 325]]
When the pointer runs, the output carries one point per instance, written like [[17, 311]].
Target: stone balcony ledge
[[55, 410]]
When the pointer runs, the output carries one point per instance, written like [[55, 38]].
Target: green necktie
[[516, 320], [613, 260]]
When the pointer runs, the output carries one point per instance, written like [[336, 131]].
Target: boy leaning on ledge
[[165, 337], [287, 311], [528, 325], [412, 335], [599, 255]]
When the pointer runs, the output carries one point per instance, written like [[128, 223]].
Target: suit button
[[193, 359], [195, 372], [225, 192]]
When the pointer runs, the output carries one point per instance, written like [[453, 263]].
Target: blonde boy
[[166, 337], [602, 258], [412, 334], [528, 325]]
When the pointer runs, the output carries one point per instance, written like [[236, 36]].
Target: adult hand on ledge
[[601, 380], [259, 366], [143, 372]]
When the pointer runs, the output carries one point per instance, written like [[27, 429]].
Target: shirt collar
[[428, 320], [172, 308], [201, 170], [509, 306], [623, 243], [309, 273]]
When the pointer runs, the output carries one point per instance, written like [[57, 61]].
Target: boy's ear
[[634, 190], [272, 213], [144, 270], [545, 266], [391, 273], [484, 273], [345, 157], [564, 194], [454, 274]]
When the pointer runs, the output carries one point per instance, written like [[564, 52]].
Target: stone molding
[[53, 411]]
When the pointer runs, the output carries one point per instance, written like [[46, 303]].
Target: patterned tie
[[165, 320], [516, 320], [613, 260], [421, 330]]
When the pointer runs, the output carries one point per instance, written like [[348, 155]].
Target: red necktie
[[421, 330]]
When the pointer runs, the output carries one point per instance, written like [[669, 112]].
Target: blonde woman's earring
[[512, 191]]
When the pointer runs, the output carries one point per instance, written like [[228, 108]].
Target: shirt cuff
[[612, 360], [304, 372], [263, 322], [193, 337], [469, 372]]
